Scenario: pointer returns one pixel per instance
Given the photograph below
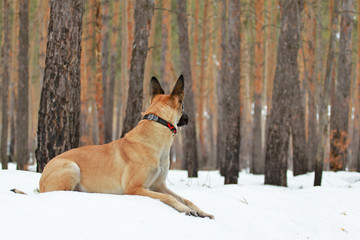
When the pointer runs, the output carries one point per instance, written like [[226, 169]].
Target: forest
[[270, 85]]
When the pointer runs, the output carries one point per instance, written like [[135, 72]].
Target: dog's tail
[[17, 191]]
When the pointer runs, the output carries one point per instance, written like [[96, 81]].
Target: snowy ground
[[249, 210]]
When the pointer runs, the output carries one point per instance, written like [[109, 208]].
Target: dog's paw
[[199, 214], [204, 215], [191, 212]]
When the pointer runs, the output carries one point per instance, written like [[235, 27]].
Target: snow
[[249, 210]]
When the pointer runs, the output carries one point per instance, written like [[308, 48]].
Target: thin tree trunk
[[149, 61], [5, 57], [99, 97], [14, 81], [202, 89], [22, 119], [113, 68], [340, 110], [59, 113], [232, 106], [258, 163], [144, 10], [325, 96], [108, 86], [310, 46], [195, 46], [221, 124], [124, 68], [286, 80], [358, 83], [165, 67], [272, 54], [190, 143]]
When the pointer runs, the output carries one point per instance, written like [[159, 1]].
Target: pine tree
[[339, 136], [190, 143], [144, 10], [285, 92], [59, 113], [5, 57], [22, 117], [232, 102]]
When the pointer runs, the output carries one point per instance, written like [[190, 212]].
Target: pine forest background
[[316, 81]]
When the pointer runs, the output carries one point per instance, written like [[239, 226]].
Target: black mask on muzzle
[[183, 120]]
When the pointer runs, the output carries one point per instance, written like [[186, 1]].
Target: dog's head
[[169, 107]]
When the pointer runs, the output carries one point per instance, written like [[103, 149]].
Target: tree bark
[[232, 106], [286, 84], [258, 163], [325, 96], [221, 124], [108, 81], [358, 83], [144, 10], [202, 90], [190, 143], [339, 140], [58, 124], [99, 97], [194, 49], [22, 118], [310, 46], [165, 66], [5, 57]]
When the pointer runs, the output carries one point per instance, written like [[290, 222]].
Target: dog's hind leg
[[60, 175]]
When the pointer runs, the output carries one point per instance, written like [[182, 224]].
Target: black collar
[[158, 119]]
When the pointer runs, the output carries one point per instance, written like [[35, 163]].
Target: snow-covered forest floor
[[249, 210]]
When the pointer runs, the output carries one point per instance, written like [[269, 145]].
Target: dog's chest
[[164, 160]]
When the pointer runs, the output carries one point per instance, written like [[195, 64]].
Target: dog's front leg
[[162, 188], [165, 198]]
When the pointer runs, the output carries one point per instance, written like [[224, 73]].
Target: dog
[[136, 164]]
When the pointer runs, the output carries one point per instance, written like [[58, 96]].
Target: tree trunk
[[22, 118], [99, 97], [358, 83], [285, 81], [232, 106], [202, 93], [109, 106], [144, 10], [108, 82], [194, 49], [258, 163], [190, 143], [222, 126], [5, 57], [339, 140], [310, 46], [149, 60], [165, 67], [325, 96], [58, 126]]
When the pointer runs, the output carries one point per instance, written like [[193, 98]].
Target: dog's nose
[[183, 120]]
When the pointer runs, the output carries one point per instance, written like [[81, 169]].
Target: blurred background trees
[[235, 90]]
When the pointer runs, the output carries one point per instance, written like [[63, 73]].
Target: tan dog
[[135, 165]]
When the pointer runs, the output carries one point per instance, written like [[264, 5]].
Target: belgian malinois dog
[[136, 164]]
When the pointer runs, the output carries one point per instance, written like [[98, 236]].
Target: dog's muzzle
[[183, 120]]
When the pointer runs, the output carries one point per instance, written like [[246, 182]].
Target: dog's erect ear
[[179, 88], [155, 87]]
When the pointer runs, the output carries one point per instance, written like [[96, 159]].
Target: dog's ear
[[155, 87], [179, 88]]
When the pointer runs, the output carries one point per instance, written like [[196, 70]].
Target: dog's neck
[[153, 117]]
